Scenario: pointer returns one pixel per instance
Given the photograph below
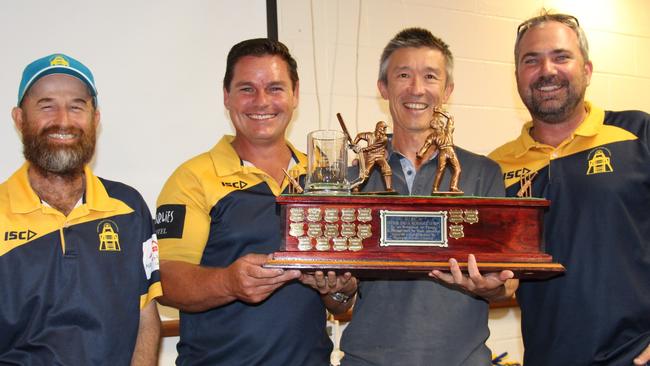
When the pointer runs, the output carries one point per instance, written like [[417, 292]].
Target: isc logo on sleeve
[[19, 235]]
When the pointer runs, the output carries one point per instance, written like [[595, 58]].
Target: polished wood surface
[[506, 235]]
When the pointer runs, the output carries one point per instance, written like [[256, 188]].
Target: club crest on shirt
[[109, 239], [599, 161]]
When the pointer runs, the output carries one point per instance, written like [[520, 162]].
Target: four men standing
[[221, 223]]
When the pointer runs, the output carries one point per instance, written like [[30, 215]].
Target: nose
[[548, 67], [261, 98], [417, 86], [63, 117]]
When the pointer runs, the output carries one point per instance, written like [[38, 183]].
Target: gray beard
[[58, 160]]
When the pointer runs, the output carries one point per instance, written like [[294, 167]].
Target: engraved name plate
[[331, 215], [296, 229], [296, 214], [413, 228]]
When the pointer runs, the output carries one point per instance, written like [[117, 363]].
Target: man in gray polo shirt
[[428, 321]]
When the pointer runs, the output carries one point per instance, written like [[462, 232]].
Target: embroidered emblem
[[59, 60], [109, 239], [599, 161]]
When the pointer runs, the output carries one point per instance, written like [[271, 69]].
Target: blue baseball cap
[[57, 63]]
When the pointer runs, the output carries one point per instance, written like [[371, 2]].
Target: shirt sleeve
[[182, 217]]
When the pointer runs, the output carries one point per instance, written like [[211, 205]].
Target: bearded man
[[78, 258]]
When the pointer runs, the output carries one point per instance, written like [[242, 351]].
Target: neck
[[408, 143], [270, 158], [555, 133], [61, 191]]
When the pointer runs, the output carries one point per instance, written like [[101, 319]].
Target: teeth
[[549, 88], [61, 136], [418, 106], [261, 116]]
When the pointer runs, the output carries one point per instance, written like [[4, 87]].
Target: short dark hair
[[545, 17], [417, 38], [259, 47]]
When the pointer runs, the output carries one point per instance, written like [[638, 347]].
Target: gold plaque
[[314, 214], [364, 231], [322, 243], [304, 243], [348, 230], [331, 230], [347, 214], [355, 244], [471, 216], [331, 215], [314, 230], [340, 243], [364, 214], [296, 214], [455, 216], [296, 229], [456, 231]]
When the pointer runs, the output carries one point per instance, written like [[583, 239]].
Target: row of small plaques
[[315, 230], [331, 215], [325, 244]]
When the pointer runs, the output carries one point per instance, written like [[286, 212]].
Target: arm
[[492, 286], [148, 341], [331, 284], [195, 288], [643, 358]]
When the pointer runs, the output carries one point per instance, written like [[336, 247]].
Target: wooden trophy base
[[407, 237]]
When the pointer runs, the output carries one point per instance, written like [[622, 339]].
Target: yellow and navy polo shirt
[[598, 227], [214, 209], [72, 287]]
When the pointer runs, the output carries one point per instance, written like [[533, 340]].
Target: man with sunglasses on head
[[594, 167]]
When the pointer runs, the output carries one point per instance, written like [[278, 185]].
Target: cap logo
[[59, 61]]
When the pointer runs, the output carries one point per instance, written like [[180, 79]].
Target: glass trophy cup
[[327, 163]]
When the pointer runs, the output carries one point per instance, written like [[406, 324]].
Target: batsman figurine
[[373, 154], [441, 138]]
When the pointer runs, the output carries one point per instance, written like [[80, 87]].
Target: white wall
[[158, 66], [326, 36]]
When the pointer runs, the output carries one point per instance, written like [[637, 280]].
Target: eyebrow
[[428, 68], [553, 52]]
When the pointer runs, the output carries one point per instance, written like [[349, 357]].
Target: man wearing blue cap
[[78, 258]]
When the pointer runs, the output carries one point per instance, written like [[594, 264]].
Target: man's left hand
[[643, 358], [330, 283], [492, 286]]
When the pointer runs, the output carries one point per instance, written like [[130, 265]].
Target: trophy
[[332, 226]]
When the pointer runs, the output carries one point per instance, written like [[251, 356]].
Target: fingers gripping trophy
[[441, 137]]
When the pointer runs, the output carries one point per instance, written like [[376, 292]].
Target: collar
[[390, 151], [23, 199], [226, 161], [589, 127]]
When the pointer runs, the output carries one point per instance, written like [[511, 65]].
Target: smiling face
[[58, 124], [416, 82], [261, 100], [552, 75]]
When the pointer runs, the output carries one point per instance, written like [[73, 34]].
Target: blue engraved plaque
[[413, 228]]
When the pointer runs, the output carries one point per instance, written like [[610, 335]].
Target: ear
[[588, 69], [98, 117], [449, 87], [383, 89], [296, 94], [226, 99], [17, 116]]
